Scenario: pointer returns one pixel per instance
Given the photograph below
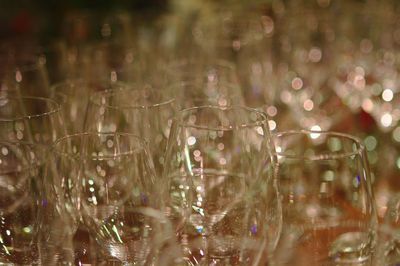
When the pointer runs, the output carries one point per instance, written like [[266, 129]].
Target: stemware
[[116, 192], [20, 175], [328, 205], [144, 111], [32, 119], [219, 185], [73, 97]]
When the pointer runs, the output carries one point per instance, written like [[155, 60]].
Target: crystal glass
[[141, 110], [73, 97], [328, 206], [32, 119], [219, 185], [116, 191], [20, 175]]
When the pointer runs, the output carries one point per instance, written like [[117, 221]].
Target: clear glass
[[141, 110], [115, 185], [219, 185], [73, 96], [20, 176], [328, 206], [32, 119]]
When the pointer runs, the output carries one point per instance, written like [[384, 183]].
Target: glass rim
[[55, 107], [360, 147], [263, 121], [142, 142], [128, 88]]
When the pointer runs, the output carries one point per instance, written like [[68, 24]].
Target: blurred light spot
[[272, 125], [308, 105], [268, 24], [220, 146], [359, 81], [297, 83], [106, 30], [367, 105], [113, 76], [366, 46], [396, 134], [386, 120], [272, 111], [315, 135], [329, 175], [191, 140], [323, 188], [372, 157], [196, 153], [18, 76], [20, 135], [110, 143], [222, 161], [398, 162], [370, 143], [387, 95], [260, 131], [311, 211], [4, 151], [222, 102], [315, 55], [334, 144], [286, 97], [236, 45], [253, 229]]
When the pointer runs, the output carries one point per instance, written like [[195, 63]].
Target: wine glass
[[328, 206], [219, 185], [116, 192], [73, 97], [138, 109], [32, 119], [21, 175]]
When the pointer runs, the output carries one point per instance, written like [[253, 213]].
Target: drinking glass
[[20, 175], [219, 185], [32, 119], [137, 109], [73, 96], [328, 206], [116, 191]]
